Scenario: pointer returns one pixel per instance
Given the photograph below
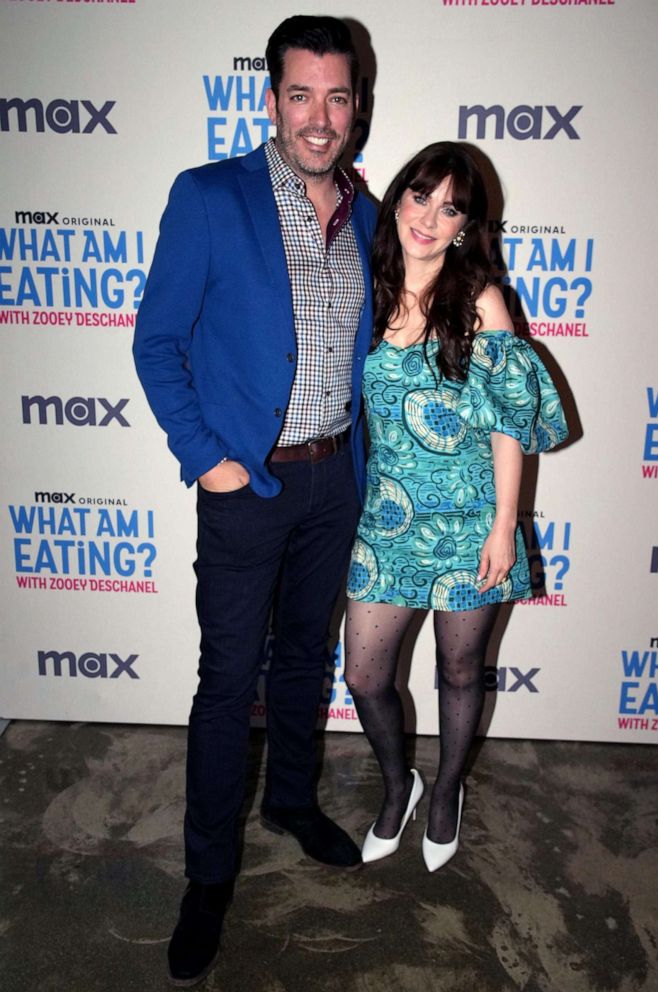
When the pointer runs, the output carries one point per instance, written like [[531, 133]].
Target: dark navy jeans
[[290, 551]]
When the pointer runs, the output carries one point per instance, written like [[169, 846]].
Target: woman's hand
[[498, 555]]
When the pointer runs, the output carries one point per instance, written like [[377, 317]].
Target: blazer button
[[277, 411], [290, 357]]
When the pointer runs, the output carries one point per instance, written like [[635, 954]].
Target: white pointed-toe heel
[[436, 855], [374, 847]]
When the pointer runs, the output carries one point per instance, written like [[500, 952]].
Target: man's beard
[[305, 166]]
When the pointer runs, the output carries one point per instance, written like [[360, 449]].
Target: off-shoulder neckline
[[419, 344], [408, 347]]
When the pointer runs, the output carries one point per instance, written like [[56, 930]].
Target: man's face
[[314, 112]]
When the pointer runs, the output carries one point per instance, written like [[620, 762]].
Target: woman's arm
[[493, 314], [499, 551]]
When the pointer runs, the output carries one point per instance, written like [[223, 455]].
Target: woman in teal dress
[[452, 400]]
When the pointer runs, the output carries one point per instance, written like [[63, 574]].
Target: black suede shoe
[[320, 838], [194, 945]]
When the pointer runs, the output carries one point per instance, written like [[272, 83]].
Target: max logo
[[509, 679], [36, 217], [522, 122], [54, 497], [81, 411], [505, 679], [90, 664], [61, 116]]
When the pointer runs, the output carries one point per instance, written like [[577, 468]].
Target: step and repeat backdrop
[[101, 105]]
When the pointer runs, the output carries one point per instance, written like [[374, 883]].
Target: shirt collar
[[343, 209]]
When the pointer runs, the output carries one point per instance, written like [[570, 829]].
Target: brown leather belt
[[310, 451]]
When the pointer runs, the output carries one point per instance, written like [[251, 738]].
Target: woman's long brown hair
[[448, 304]]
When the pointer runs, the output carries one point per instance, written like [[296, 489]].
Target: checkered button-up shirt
[[328, 293]]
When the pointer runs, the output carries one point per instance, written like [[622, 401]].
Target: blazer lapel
[[261, 206], [364, 333]]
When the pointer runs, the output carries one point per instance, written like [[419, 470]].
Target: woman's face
[[427, 225]]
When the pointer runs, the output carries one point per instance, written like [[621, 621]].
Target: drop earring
[[397, 214], [458, 239]]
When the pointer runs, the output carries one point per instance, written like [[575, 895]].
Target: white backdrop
[[101, 105]]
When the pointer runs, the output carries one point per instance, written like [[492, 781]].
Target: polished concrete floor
[[554, 887]]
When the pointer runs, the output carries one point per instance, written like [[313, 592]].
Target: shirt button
[[277, 411], [327, 392]]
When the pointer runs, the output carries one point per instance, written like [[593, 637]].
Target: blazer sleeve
[[172, 303]]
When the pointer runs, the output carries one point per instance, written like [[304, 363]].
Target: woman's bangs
[[432, 174]]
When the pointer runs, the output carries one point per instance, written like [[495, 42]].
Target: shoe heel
[[374, 847], [272, 827]]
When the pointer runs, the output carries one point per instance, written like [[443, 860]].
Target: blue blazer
[[215, 344]]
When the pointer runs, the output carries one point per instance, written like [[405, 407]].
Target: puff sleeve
[[508, 390]]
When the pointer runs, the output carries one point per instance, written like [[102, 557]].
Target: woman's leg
[[461, 644], [373, 634]]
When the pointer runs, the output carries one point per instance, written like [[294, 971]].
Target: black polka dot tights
[[373, 634]]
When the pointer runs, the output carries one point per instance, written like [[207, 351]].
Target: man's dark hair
[[320, 35]]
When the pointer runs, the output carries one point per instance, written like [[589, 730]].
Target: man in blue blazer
[[250, 343]]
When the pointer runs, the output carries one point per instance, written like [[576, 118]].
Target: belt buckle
[[310, 447], [322, 452]]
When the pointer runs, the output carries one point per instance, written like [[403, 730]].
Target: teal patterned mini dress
[[430, 499]]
